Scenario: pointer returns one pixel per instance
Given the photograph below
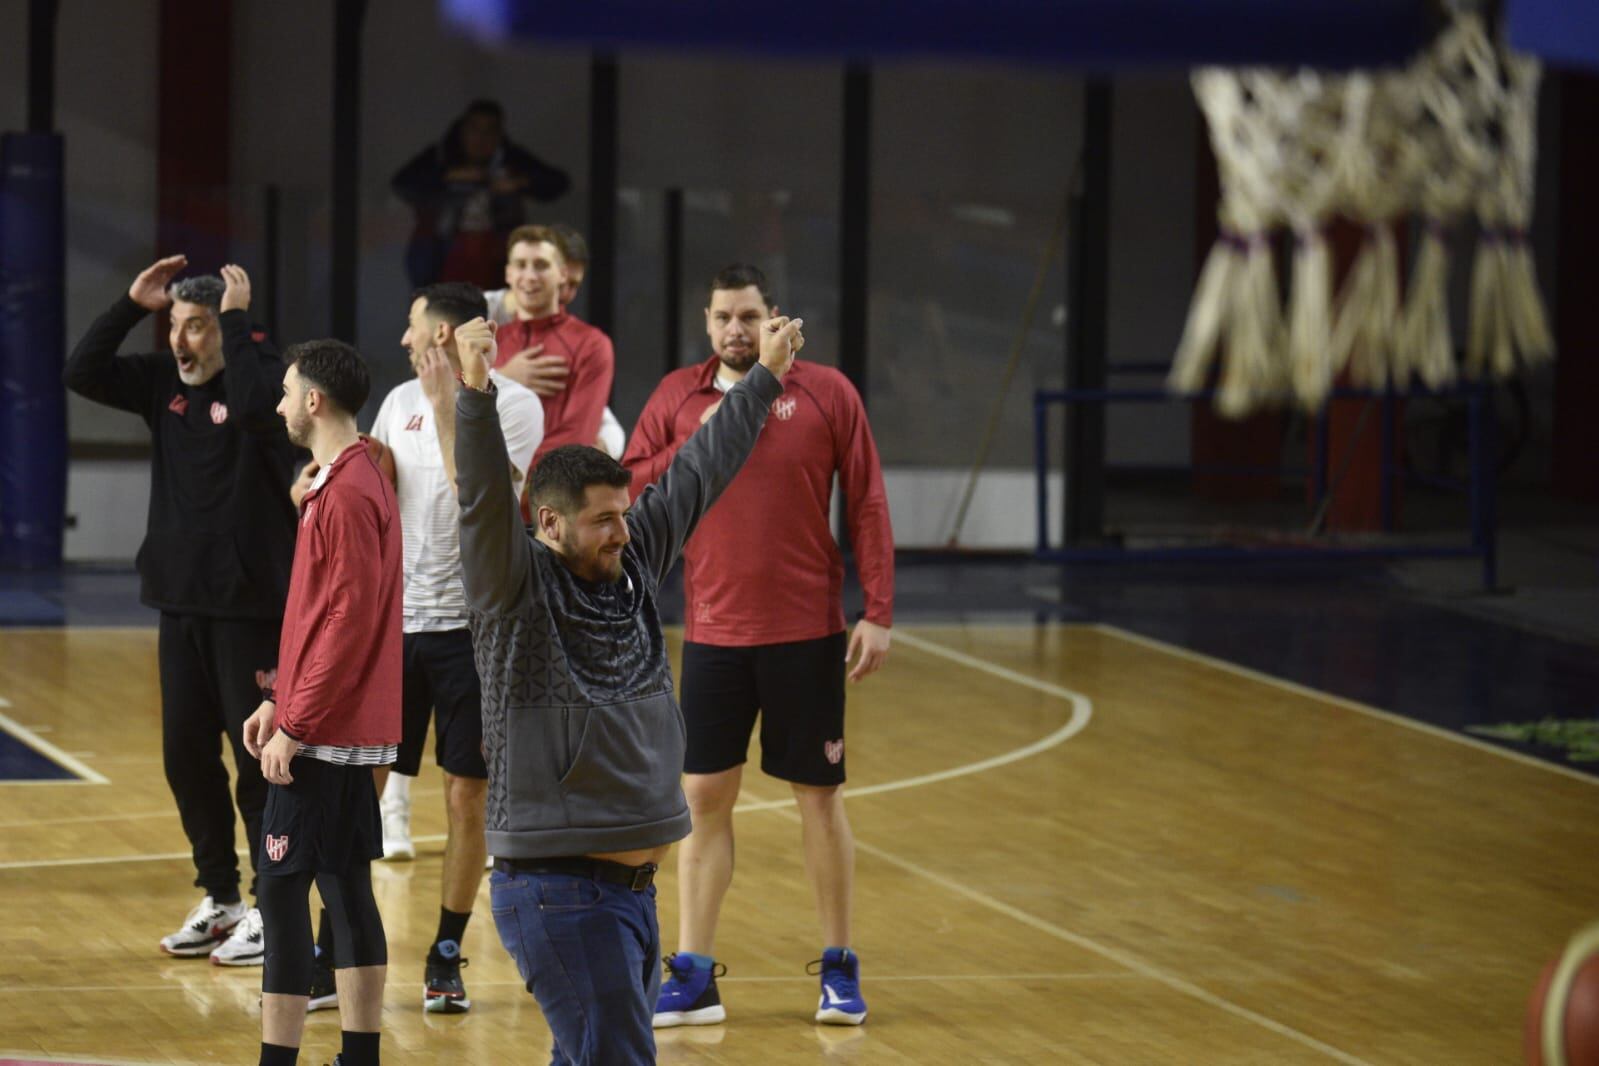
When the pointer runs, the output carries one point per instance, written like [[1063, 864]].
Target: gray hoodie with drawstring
[[581, 731]]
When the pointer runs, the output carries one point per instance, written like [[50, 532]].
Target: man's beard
[[740, 362]]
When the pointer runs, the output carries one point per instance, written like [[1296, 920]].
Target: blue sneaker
[[841, 1002], [689, 995]]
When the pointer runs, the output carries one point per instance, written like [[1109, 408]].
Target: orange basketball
[[381, 455], [1563, 1015]]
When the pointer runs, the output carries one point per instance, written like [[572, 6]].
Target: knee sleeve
[[358, 938], [285, 902]]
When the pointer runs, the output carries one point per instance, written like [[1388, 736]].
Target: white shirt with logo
[[430, 516]]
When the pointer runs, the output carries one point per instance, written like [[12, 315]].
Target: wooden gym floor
[[1075, 845]]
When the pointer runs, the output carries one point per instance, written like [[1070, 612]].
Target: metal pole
[[1390, 409], [347, 21], [604, 122], [1088, 307], [1041, 467], [855, 221], [42, 65], [674, 279], [271, 268]]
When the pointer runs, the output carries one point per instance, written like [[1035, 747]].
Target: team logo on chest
[[277, 847], [834, 750], [219, 413], [179, 405], [784, 407], [415, 423]]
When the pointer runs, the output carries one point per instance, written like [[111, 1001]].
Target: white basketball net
[[1452, 133]]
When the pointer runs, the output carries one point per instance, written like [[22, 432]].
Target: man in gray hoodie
[[581, 732]]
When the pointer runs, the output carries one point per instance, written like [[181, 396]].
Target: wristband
[[488, 389]]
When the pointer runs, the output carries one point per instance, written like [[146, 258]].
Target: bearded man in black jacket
[[215, 560]]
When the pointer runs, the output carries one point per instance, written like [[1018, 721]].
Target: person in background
[[540, 333], [547, 374], [468, 191]]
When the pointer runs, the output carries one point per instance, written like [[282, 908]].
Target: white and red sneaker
[[206, 926]]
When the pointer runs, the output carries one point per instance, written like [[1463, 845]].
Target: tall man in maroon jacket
[[335, 714], [766, 633]]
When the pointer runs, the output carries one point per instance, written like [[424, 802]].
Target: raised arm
[[495, 556], [253, 370], [95, 371], [665, 514]]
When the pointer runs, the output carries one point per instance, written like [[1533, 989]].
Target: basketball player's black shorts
[[440, 682], [325, 821], [797, 692]]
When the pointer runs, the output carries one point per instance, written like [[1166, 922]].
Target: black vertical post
[[674, 279], [42, 65], [1088, 306], [347, 20], [272, 267], [855, 221], [604, 122]]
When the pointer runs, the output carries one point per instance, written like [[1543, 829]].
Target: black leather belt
[[637, 878]]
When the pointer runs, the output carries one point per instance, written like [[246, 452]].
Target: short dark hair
[[202, 289], [456, 302], [535, 235], [561, 479], [741, 276], [485, 106], [334, 369], [574, 249]]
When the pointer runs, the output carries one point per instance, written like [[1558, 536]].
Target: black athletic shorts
[[325, 821], [797, 691], [441, 678]]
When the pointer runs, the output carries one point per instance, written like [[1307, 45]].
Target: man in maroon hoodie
[[333, 715], [536, 272]]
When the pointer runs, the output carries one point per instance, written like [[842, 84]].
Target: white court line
[[1122, 958], [1115, 955], [405, 997], [1339, 701], [50, 751], [1082, 713]]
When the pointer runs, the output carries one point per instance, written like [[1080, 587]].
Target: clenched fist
[[781, 340]]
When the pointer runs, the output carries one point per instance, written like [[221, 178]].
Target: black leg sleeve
[[358, 938], [285, 902]]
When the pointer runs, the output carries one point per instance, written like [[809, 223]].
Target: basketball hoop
[[1449, 134]]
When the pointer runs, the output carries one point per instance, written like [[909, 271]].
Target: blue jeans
[[590, 952]]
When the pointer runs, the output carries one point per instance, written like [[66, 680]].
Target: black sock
[[278, 1055], [452, 927], [324, 940], [226, 895], [360, 1049]]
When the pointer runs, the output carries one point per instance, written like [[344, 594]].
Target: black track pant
[[208, 688]]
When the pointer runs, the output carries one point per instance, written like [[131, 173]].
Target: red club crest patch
[[179, 404], [834, 750], [784, 407], [277, 847], [219, 413]]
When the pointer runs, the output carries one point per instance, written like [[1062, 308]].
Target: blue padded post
[[33, 404]]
